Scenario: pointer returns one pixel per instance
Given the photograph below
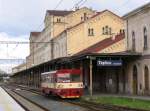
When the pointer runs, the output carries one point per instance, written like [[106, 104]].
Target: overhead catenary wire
[[122, 5], [77, 4], [83, 3], [21, 42], [7, 51], [15, 46], [58, 4], [25, 42]]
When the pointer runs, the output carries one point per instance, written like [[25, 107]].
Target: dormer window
[[85, 16], [58, 20], [81, 18]]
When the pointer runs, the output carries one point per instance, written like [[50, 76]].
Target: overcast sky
[[19, 17]]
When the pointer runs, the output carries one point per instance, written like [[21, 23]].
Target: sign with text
[[109, 62]]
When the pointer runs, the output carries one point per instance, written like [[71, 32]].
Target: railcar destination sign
[[109, 62]]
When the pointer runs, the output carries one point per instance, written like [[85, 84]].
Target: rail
[[90, 105]]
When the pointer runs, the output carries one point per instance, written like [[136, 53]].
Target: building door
[[146, 76], [135, 80]]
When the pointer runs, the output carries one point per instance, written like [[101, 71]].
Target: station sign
[[109, 62]]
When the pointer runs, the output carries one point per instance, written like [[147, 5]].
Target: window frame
[[90, 32], [145, 47], [133, 41]]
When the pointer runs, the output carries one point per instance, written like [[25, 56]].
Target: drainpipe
[[127, 37]]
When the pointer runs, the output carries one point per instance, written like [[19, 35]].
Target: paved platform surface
[[7, 103]]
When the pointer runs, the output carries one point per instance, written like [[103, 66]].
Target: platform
[[7, 103]]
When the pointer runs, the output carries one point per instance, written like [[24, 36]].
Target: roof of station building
[[139, 9], [97, 14], [102, 44], [58, 12], [35, 33]]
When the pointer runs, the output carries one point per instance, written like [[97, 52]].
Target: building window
[[90, 32], [110, 31], [85, 16], [133, 41], [103, 30], [107, 30], [122, 31], [145, 38], [58, 20], [81, 18]]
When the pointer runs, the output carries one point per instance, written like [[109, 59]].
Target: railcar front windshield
[[66, 78]]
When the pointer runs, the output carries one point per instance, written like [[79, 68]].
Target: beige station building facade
[[104, 34], [66, 33]]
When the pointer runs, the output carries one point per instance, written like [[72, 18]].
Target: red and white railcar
[[66, 83]]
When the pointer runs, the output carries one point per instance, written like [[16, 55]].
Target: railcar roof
[[50, 72]]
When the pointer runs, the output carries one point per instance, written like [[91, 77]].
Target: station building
[[138, 40], [69, 32], [112, 60]]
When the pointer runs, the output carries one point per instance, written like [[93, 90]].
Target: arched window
[[146, 76], [85, 16], [110, 31], [145, 38], [106, 30], [90, 32], [133, 41], [103, 30]]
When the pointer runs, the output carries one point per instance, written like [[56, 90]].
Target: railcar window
[[45, 78], [75, 78], [63, 78]]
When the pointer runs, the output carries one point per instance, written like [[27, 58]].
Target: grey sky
[[19, 17]]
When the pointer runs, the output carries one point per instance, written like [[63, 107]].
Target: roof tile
[[35, 33], [102, 44]]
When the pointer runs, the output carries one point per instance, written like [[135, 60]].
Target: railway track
[[89, 105], [26, 103], [104, 107]]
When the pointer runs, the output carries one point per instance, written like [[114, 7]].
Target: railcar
[[65, 83]]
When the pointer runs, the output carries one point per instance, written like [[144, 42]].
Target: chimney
[[76, 8], [113, 37]]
